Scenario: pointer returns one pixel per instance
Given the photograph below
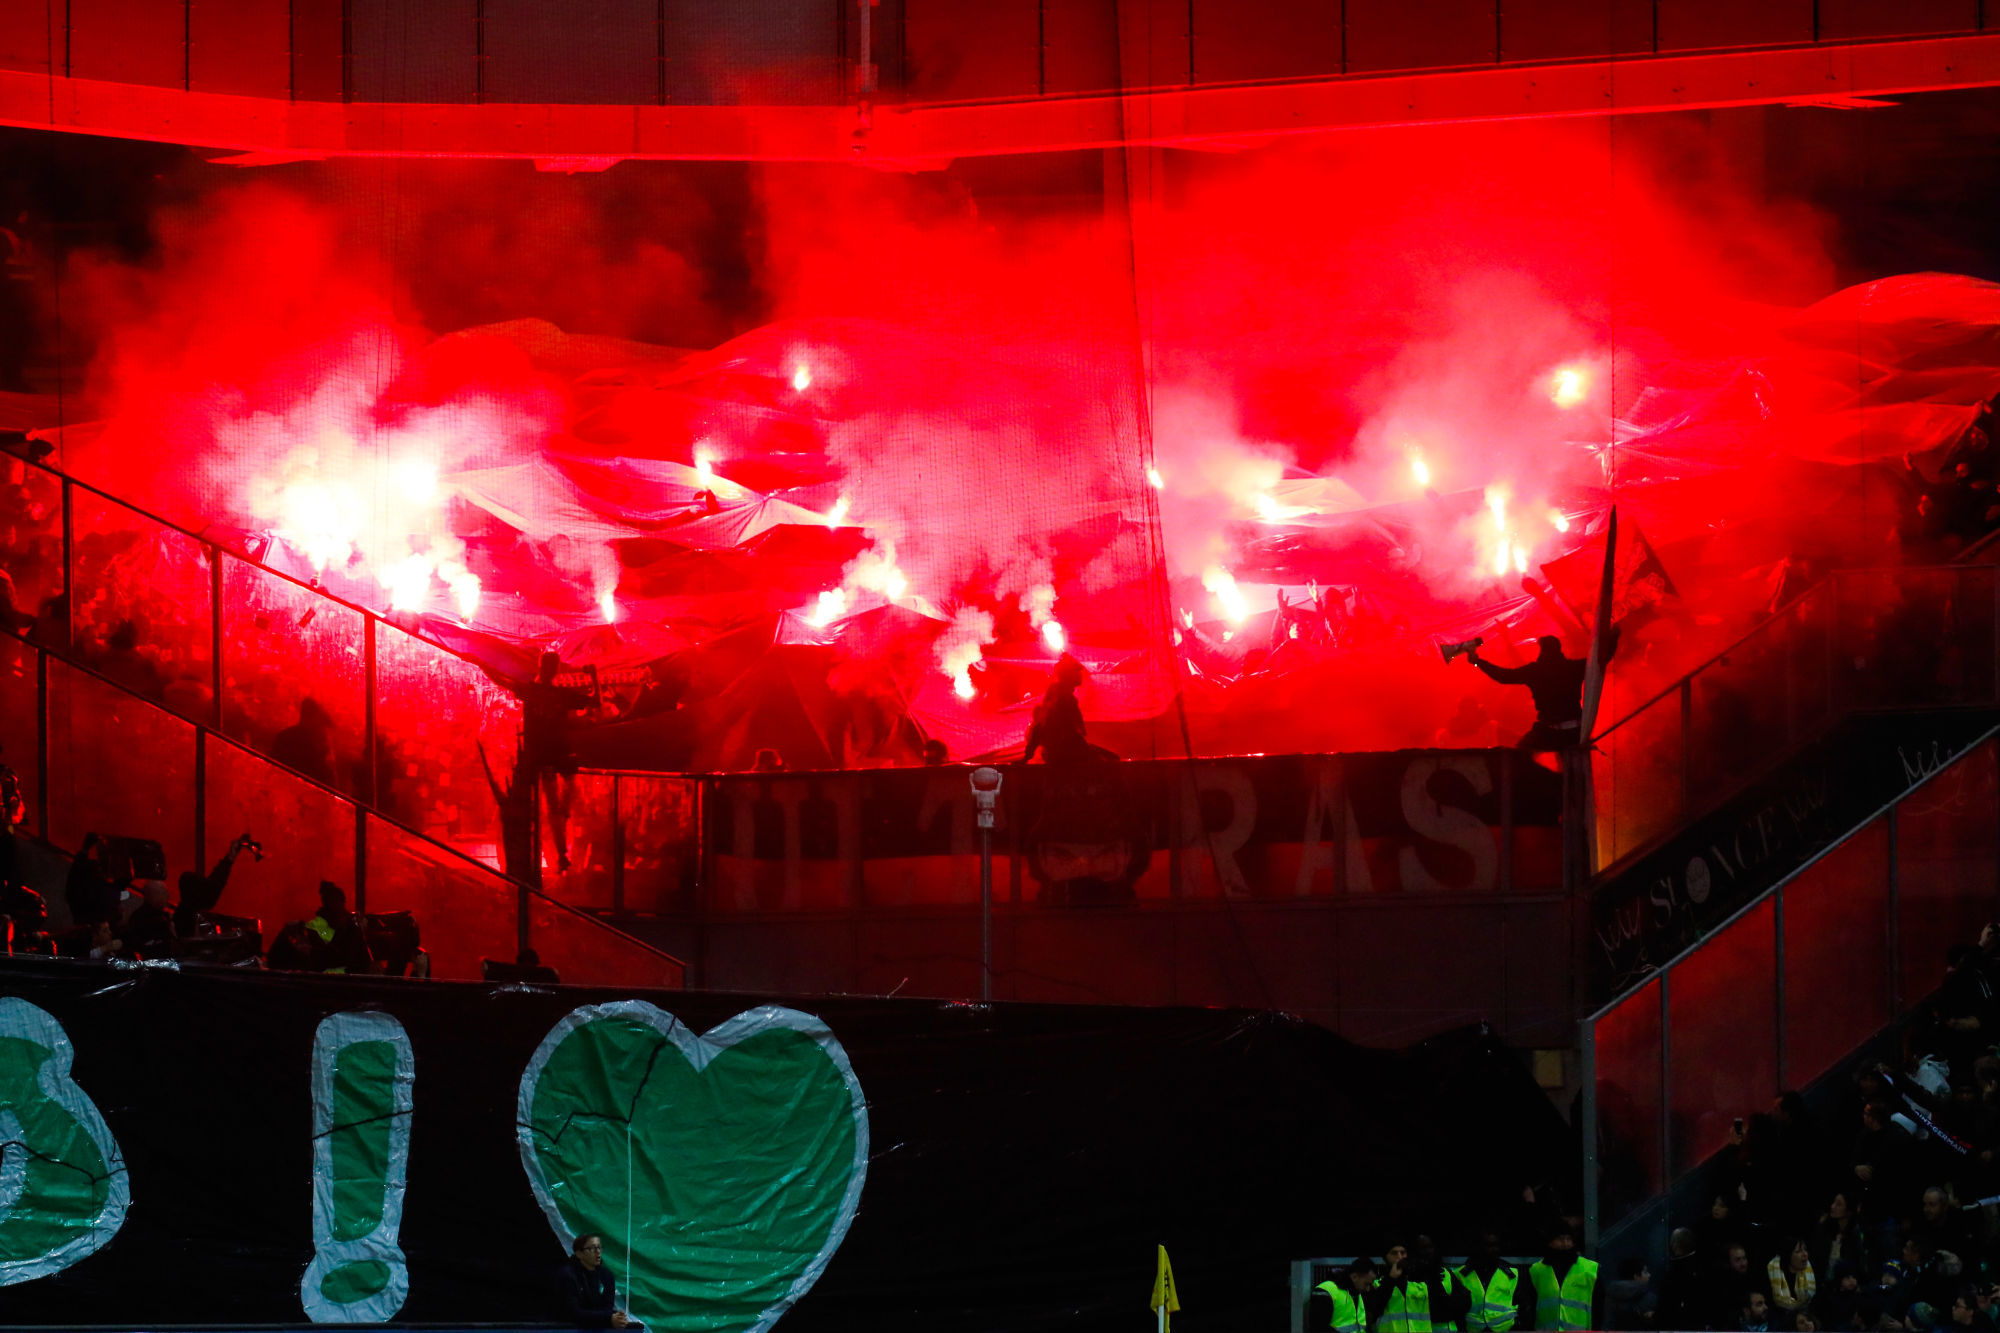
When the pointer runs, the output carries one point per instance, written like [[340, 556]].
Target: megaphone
[[1451, 650]]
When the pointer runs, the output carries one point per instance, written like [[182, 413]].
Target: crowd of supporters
[[1881, 1211]]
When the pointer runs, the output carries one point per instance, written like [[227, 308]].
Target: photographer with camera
[[200, 893]]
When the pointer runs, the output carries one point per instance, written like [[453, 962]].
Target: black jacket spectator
[[588, 1296]]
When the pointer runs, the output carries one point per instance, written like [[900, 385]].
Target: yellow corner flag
[[1165, 1299]]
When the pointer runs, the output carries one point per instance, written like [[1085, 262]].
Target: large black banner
[[217, 1147]]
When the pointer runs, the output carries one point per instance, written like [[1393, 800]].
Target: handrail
[[204, 729], [389, 618], [1801, 869]]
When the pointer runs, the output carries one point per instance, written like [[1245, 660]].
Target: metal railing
[[242, 672], [1788, 987], [1876, 638]]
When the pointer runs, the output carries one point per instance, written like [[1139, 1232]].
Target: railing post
[[1778, 980], [367, 782], [69, 566], [42, 742], [1666, 1126], [1588, 1129], [617, 845], [1506, 820], [215, 633], [1892, 932], [360, 857], [200, 800]]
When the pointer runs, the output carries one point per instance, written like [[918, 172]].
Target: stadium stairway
[[189, 756]]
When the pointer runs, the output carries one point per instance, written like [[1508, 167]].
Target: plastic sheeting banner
[[225, 1147]]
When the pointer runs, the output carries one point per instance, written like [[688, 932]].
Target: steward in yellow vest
[[1345, 1301], [1563, 1285], [1448, 1303], [1491, 1287]]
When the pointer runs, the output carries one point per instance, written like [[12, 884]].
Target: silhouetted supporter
[[200, 893], [1058, 732], [90, 891], [307, 745], [586, 1293], [1556, 683], [329, 941], [122, 663], [547, 711]]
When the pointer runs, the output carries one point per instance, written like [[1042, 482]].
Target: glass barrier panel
[[292, 675], [1629, 1105], [142, 605], [307, 835], [118, 766], [435, 716], [1636, 774], [589, 953], [662, 832], [1737, 723], [1722, 1036], [590, 850], [31, 551], [1961, 601], [20, 724], [1947, 866], [1837, 954], [465, 914]]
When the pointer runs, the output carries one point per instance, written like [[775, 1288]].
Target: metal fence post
[[617, 845], [1778, 981], [69, 565], [1591, 1220], [1666, 1078], [42, 743], [368, 782], [1687, 745], [215, 632], [1893, 933], [200, 800]]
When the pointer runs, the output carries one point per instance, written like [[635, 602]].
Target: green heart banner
[[63, 1187], [721, 1169]]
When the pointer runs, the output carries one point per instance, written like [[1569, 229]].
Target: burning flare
[[1053, 636], [838, 514], [1569, 386], [1420, 469], [1228, 596], [802, 378], [1155, 480], [832, 605]]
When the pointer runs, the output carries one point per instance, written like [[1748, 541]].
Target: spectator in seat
[[1940, 1224], [1841, 1238], [1793, 1282], [1681, 1284], [1629, 1301], [149, 931], [1729, 1287], [104, 945], [1754, 1316], [1840, 1301], [90, 891], [344, 947], [588, 1292], [1965, 1010], [1881, 1163], [1967, 1311]]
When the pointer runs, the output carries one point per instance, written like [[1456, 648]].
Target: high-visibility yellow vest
[[1408, 1311], [1564, 1308], [1445, 1279], [1492, 1302], [1350, 1310]]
